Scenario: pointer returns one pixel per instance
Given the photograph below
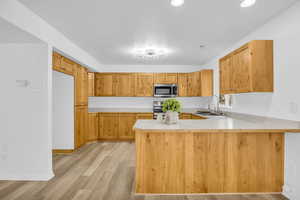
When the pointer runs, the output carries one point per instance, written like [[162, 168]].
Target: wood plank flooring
[[98, 171]]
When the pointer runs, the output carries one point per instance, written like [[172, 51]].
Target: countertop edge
[[221, 130]]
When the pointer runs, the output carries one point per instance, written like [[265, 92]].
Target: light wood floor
[[98, 171]]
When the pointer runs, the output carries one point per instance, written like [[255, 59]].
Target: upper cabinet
[[225, 65], [200, 83], [165, 78], [105, 84], [141, 84], [144, 85], [63, 64], [91, 84], [193, 84], [183, 84], [81, 83], [126, 84], [206, 83], [248, 69]]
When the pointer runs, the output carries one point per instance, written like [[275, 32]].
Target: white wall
[[19, 15], [143, 102], [25, 114], [284, 102], [63, 111]]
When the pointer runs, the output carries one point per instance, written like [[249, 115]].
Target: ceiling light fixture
[[247, 3], [150, 52], [177, 3]]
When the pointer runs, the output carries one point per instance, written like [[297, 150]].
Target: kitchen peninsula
[[233, 154]]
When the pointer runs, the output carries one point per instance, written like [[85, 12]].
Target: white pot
[[171, 117]]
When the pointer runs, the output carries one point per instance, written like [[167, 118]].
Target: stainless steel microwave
[[165, 90]]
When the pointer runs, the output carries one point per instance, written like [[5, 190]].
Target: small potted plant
[[171, 107]]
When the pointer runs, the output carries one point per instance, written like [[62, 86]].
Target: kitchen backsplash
[[144, 102]]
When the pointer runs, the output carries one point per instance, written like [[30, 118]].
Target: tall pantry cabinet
[[80, 74]]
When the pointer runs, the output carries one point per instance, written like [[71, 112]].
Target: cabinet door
[[126, 123], [81, 125], [194, 85], [165, 78], [105, 84], [56, 61], [183, 84], [144, 85], [241, 73], [93, 128], [108, 126], [226, 86], [91, 84], [81, 82], [159, 78], [171, 78], [144, 116], [206, 83], [68, 66], [126, 84]]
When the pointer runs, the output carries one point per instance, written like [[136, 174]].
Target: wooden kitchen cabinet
[[91, 84], [194, 84], [68, 66], [144, 85], [185, 116], [62, 64], [165, 78], [56, 61], [81, 125], [206, 83], [105, 84], [81, 85], [108, 126], [226, 83], [144, 116], [126, 122], [93, 127], [126, 84], [183, 84], [197, 117], [248, 69]]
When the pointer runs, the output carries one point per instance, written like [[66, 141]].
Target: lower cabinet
[[108, 126], [185, 116], [116, 126], [93, 130], [197, 117], [81, 125], [144, 116], [126, 122]]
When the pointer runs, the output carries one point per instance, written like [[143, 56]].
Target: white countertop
[[234, 122]]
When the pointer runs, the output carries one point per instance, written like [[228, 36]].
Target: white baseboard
[[26, 176]]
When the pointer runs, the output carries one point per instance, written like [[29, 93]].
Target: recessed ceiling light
[[177, 3], [247, 3]]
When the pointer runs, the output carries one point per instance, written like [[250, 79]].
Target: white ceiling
[[107, 29], [11, 34]]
